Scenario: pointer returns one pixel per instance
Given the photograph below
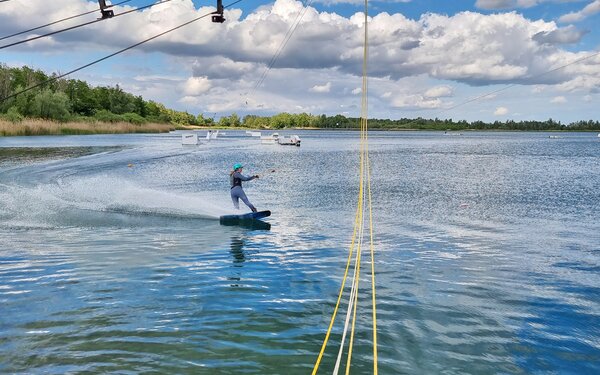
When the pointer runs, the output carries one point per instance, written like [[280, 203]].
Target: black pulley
[[218, 14], [106, 13]]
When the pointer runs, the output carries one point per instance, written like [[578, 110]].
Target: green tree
[[51, 105], [24, 102], [224, 121], [83, 99], [12, 115], [281, 120], [103, 115], [234, 120], [133, 118]]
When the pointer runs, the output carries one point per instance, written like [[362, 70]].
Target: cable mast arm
[[106, 13], [218, 14], [109, 13]]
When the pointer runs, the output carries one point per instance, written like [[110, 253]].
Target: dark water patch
[[14, 156]]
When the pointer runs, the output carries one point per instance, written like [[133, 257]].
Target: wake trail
[[58, 202]]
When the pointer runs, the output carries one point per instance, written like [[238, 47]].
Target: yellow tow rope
[[365, 178]]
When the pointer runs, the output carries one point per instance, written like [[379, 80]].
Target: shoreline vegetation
[[69, 106], [37, 127], [44, 127]]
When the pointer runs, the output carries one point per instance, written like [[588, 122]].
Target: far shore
[[34, 127], [201, 127]]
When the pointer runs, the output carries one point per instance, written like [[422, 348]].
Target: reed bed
[[44, 127]]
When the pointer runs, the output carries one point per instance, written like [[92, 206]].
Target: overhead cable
[[81, 25], [53, 79], [490, 93], [284, 42], [58, 21], [515, 84]]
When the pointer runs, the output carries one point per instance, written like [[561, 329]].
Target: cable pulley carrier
[[218, 14], [109, 13], [106, 13]]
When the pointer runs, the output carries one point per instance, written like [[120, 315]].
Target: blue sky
[[425, 56]]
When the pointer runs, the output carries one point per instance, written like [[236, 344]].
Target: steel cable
[[53, 79]]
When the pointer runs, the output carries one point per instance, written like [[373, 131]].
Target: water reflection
[[248, 224], [237, 250]]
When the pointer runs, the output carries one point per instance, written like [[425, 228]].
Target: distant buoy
[[130, 165]]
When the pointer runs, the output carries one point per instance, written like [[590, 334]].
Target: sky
[[489, 60]]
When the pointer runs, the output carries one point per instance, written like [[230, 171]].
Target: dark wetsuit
[[237, 192]]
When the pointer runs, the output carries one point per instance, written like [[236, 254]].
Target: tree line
[[303, 120], [340, 121], [75, 100]]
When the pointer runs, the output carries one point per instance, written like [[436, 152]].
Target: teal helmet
[[237, 166]]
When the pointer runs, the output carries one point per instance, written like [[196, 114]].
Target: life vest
[[235, 181]]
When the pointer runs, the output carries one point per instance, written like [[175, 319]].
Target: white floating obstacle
[[212, 134], [294, 140], [269, 139], [189, 139]]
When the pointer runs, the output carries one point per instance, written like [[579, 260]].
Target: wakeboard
[[243, 218]]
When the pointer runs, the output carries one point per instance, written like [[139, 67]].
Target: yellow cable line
[[372, 248], [365, 171], [358, 250], [337, 305], [368, 170], [347, 320], [365, 131], [350, 346]]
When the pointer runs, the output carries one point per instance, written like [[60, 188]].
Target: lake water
[[487, 254]]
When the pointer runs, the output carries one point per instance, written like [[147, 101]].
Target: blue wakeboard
[[244, 218]]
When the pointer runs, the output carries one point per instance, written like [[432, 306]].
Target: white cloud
[[532, 3], [219, 67], [501, 111], [564, 35], [196, 86], [441, 52], [321, 88], [357, 91], [505, 4], [191, 100], [156, 78], [415, 102], [537, 89], [558, 100], [587, 98], [582, 76], [356, 2], [439, 92], [589, 10], [495, 4], [467, 47], [511, 4]]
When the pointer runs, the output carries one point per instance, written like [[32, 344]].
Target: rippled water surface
[[112, 259]]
